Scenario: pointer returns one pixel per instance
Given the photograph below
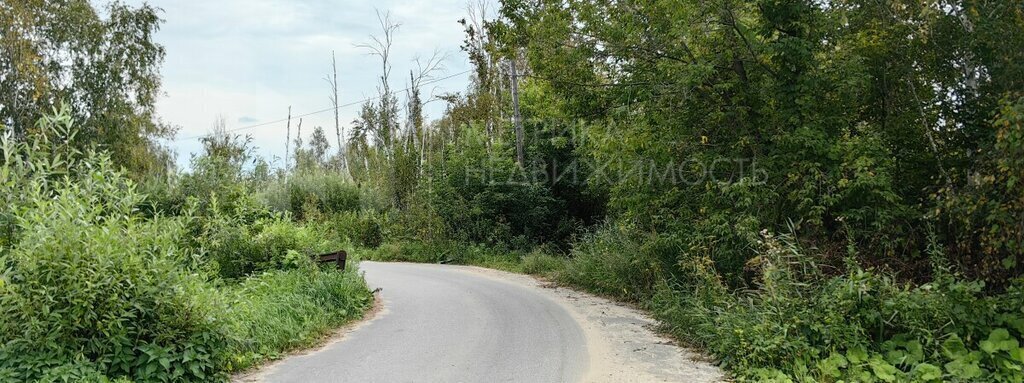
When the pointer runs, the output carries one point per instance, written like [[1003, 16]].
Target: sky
[[249, 60]]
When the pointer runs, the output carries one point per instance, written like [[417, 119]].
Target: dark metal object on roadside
[[338, 258]]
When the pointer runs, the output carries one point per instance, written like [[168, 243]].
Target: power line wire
[[247, 127]]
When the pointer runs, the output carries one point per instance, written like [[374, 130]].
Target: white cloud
[[251, 59]]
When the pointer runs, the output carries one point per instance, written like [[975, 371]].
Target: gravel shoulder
[[622, 341]]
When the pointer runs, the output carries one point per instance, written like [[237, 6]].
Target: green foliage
[[90, 289], [99, 282], [363, 229], [800, 325], [423, 252], [851, 118], [239, 250], [485, 198], [540, 262], [611, 262], [537, 262], [103, 62], [985, 215], [283, 310], [314, 194]]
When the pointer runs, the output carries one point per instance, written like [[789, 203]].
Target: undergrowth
[[100, 282], [797, 323]]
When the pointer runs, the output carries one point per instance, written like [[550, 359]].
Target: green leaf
[[964, 368], [927, 372], [953, 347], [197, 371], [857, 355], [1018, 354], [915, 353], [999, 340], [1009, 365], [833, 365], [896, 357], [1014, 322], [882, 369]]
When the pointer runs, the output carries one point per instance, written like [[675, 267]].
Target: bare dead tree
[[287, 140], [425, 69], [333, 81], [488, 72], [380, 46], [298, 137]]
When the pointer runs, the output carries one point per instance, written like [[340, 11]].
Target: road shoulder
[[622, 341]]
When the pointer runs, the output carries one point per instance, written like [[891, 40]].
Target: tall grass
[[278, 311]]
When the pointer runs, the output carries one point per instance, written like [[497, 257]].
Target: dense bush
[[985, 215], [610, 262], [101, 282], [485, 198], [801, 324], [238, 250], [363, 229], [88, 287], [111, 295], [313, 194], [541, 263], [414, 251], [860, 326]]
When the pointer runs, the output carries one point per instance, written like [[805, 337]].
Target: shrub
[[984, 216], [611, 261], [539, 262], [239, 250], [87, 282], [801, 325], [308, 195], [97, 283], [483, 197], [414, 251], [364, 229]]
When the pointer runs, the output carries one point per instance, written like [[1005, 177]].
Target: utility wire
[[247, 127]]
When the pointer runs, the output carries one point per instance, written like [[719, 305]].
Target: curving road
[[445, 324], [468, 324]]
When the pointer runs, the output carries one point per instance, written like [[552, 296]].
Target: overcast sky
[[248, 60]]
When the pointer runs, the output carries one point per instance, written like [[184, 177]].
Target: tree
[[333, 81], [386, 122], [318, 147], [479, 45], [106, 69], [858, 113]]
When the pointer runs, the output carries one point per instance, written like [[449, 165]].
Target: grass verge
[[280, 311]]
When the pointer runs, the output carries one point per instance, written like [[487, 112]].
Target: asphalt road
[[447, 324]]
